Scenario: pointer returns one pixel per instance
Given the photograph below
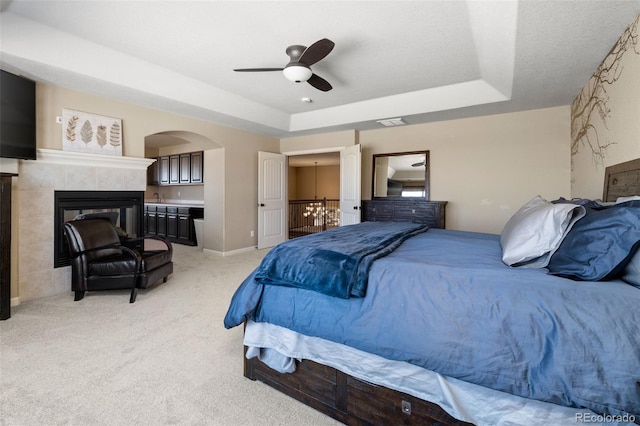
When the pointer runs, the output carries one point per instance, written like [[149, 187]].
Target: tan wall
[[214, 217], [319, 142], [485, 167], [328, 180], [241, 148], [618, 131], [176, 193], [231, 170], [292, 189]]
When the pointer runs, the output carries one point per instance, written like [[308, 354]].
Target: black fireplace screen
[[124, 208]]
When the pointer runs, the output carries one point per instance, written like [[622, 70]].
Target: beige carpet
[[165, 360]]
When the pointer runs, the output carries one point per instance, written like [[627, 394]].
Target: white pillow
[[535, 232], [631, 272], [625, 199]]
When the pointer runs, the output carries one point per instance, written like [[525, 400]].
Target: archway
[[209, 194]]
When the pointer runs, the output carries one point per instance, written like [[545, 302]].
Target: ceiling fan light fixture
[[297, 73]]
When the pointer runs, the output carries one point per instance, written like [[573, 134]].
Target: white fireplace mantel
[[71, 158]]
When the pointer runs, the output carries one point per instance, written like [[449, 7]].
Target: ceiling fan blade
[[257, 69], [319, 83], [316, 51]]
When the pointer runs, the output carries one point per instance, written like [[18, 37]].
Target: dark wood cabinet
[[172, 222], [161, 221], [153, 177], [5, 245], [174, 169], [185, 223], [180, 169], [197, 167], [185, 168], [163, 170], [186, 228], [150, 220]]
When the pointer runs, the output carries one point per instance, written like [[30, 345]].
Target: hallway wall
[[302, 182]]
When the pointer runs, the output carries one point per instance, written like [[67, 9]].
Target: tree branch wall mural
[[592, 103]]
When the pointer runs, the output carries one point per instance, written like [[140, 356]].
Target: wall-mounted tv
[[17, 117]]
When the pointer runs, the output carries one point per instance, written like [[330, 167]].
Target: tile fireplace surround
[[36, 183]]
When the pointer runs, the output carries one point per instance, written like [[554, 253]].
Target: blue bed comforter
[[443, 300], [335, 262]]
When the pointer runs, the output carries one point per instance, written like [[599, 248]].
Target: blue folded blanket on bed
[[335, 262]]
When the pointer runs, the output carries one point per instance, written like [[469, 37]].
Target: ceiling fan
[[300, 60]]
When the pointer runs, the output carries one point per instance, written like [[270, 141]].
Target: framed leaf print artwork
[[91, 133]]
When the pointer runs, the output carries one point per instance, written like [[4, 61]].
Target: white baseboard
[[15, 301], [230, 253]]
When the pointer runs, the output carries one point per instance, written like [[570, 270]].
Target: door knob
[[261, 205]]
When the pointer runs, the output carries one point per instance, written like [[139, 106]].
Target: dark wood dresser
[[414, 210], [5, 245]]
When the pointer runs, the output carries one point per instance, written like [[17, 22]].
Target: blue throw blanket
[[335, 262]]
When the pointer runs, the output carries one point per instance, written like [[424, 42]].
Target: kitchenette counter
[[186, 203]]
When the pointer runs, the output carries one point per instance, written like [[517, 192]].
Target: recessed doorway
[[314, 193]]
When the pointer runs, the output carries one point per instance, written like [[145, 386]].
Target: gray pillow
[[631, 272], [535, 232]]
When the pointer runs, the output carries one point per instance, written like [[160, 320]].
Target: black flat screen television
[[17, 117]]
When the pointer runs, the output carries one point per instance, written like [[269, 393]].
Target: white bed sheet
[[462, 400]]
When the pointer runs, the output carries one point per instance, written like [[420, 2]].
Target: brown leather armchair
[[100, 260]]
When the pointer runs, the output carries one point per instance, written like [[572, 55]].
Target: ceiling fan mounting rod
[[295, 51]]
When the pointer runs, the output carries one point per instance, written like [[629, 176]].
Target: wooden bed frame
[[347, 399], [355, 402], [621, 180]]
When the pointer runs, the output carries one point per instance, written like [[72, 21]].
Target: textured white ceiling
[[423, 60]]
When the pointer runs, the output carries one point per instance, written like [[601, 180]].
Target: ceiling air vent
[[390, 122]]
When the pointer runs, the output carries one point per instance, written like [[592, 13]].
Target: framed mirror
[[401, 174]]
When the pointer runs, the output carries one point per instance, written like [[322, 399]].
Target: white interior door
[[350, 160], [272, 199]]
